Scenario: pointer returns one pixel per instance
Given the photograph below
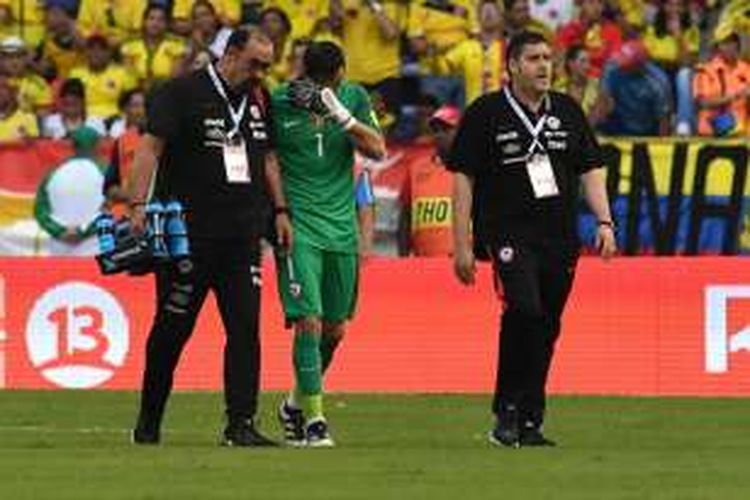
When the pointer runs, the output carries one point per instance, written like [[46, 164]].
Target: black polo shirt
[[193, 119], [491, 146]]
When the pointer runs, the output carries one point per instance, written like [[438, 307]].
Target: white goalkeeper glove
[[337, 110]]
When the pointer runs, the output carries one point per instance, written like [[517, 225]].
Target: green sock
[[308, 373], [295, 398], [312, 406], [328, 345]]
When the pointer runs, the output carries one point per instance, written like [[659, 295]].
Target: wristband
[[137, 203], [607, 223], [281, 210]]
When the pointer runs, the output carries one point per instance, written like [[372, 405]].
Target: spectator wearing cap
[[479, 61], [70, 197], [71, 113], [34, 94], [673, 42], [637, 93], [32, 13], [117, 20], [103, 79], [15, 123], [722, 88], [425, 227], [601, 38], [62, 47], [156, 55]]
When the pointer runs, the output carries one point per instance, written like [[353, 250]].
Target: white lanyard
[[237, 114], [534, 130]]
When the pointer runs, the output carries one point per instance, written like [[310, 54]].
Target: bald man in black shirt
[[208, 144]]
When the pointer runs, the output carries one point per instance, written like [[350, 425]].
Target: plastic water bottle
[[177, 238], [105, 233], [155, 221]]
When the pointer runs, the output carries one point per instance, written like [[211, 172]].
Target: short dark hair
[[242, 35], [203, 3], [573, 52], [156, 6], [73, 87], [323, 60], [520, 40], [279, 12], [126, 96]]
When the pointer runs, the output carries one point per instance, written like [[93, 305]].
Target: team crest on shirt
[[506, 255], [553, 122]]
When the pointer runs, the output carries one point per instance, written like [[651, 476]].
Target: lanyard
[[237, 114], [534, 130]]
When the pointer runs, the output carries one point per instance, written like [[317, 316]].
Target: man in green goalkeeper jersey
[[320, 120]]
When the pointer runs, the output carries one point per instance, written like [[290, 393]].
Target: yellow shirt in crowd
[[303, 14], [21, 124], [115, 19], [371, 58], [443, 29], [103, 89], [482, 68], [149, 65], [34, 93], [226, 9], [64, 58], [632, 10], [33, 13], [666, 49]]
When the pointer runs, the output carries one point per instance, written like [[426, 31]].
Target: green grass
[[60, 445]]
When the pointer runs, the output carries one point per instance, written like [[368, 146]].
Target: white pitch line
[[61, 430]]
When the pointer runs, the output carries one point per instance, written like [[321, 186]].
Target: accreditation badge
[[236, 163], [542, 176]]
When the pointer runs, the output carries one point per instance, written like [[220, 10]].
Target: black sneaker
[[244, 433], [144, 435], [318, 435], [531, 435], [293, 421], [146, 431], [506, 432]]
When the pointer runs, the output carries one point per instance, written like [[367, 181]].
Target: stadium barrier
[[670, 196], [634, 326]]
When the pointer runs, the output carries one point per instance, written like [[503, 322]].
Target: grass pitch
[[74, 445]]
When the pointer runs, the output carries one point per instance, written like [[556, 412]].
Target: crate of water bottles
[[164, 239]]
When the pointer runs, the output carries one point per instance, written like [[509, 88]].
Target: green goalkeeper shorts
[[317, 283]]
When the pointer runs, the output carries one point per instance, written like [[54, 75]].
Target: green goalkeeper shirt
[[317, 160]]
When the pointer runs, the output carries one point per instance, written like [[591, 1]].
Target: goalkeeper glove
[[337, 110], [305, 94]]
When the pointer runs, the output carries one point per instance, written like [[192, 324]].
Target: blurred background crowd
[[639, 67]]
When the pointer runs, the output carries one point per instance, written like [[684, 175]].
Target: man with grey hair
[[208, 144]]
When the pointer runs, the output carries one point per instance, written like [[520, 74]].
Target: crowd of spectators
[[639, 67]]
